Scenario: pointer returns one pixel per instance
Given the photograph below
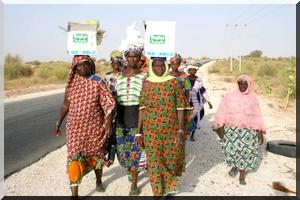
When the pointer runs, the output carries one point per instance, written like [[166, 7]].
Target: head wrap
[[116, 56], [178, 58], [158, 79], [240, 109], [133, 43], [76, 60]]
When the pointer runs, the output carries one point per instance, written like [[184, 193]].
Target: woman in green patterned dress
[[240, 126], [161, 125]]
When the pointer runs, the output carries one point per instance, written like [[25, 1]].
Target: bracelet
[[58, 122], [138, 135], [180, 131]]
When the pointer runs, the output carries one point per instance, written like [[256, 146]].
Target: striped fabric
[[129, 89]]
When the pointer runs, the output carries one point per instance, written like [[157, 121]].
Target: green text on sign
[[80, 38], [157, 39]]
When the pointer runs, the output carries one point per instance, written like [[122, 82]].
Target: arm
[[63, 112], [221, 132], [139, 136]]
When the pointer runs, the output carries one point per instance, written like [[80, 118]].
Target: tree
[[256, 54]]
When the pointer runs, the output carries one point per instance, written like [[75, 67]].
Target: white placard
[[82, 43], [160, 39]]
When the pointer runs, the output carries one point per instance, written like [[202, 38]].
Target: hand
[[260, 137], [220, 132], [57, 131], [108, 131], [138, 141], [210, 106], [180, 138]]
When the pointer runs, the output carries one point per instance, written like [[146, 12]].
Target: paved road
[[28, 127]]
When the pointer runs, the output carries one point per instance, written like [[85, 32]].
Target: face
[[174, 64], [192, 71], [116, 65], [243, 85], [158, 67], [84, 69], [133, 59]]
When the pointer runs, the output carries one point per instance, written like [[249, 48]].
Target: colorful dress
[[240, 147], [240, 115], [90, 104], [197, 99], [184, 83], [160, 102], [128, 97]]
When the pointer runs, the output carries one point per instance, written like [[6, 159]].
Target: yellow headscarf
[[159, 79]]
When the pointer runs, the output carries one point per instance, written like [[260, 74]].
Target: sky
[[32, 30]]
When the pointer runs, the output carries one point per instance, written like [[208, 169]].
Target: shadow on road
[[201, 155]]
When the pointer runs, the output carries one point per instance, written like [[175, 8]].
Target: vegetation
[[18, 75], [275, 77]]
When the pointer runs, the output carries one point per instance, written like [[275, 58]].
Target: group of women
[[144, 112]]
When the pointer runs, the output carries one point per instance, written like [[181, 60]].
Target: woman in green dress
[[161, 128]]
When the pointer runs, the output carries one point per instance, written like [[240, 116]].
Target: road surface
[[28, 127]]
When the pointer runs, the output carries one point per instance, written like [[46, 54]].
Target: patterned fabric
[[80, 165], [160, 102], [240, 147], [90, 103], [197, 101], [129, 155], [184, 83], [111, 81], [240, 109], [129, 89]]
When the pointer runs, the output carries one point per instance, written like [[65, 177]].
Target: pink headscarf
[[240, 109]]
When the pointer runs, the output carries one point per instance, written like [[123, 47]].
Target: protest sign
[[82, 43], [160, 39]]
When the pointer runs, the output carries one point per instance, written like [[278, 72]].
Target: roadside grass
[[270, 76], [23, 75]]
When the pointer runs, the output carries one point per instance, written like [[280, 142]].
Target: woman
[[180, 76], [89, 106], [240, 126], [117, 62], [128, 87], [197, 98], [161, 127]]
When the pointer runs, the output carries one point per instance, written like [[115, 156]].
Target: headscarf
[[76, 60], [240, 109], [186, 70], [133, 42], [178, 58], [116, 56], [159, 79], [134, 49]]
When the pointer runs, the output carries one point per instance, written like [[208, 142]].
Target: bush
[[44, 73], [16, 70], [61, 73], [267, 70]]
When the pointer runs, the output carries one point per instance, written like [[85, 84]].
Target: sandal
[[100, 188], [135, 192], [242, 181], [129, 176], [233, 172]]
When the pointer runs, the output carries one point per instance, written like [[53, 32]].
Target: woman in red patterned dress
[[89, 106]]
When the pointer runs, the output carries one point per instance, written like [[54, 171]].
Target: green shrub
[[61, 73], [16, 70], [267, 70], [44, 73]]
